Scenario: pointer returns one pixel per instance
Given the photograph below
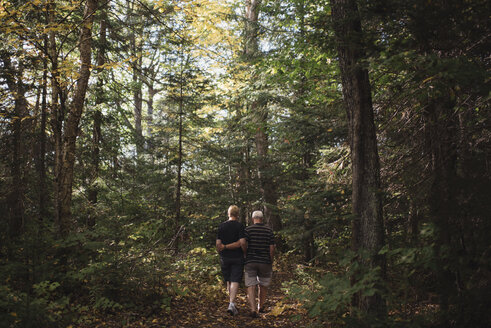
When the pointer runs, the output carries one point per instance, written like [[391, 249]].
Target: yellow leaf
[[278, 310], [13, 314], [429, 79]]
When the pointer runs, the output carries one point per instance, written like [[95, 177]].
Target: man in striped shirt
[[259, 261]]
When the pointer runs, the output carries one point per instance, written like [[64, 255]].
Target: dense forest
[[360, 128]]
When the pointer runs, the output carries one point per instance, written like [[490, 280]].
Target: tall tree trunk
[[58, 110], [151, 95], [251, 28], [136, 66], [41, 167], [260, 113], [65, 180], [367, 224], [97, 117], [265, 175], [137, 109], [150, 79], [179, 168], [441, 129], [152, 91], [307, 164], [244, 182], [14, 78]]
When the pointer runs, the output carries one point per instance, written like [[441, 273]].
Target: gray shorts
[[258, 273]]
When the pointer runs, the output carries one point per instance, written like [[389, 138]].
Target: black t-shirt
[[229, 232]]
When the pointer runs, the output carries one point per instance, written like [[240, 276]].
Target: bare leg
[[233, 289], [263, 291], [251, 295]]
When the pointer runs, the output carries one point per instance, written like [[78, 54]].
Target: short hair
[[257, 215], [233, 211]]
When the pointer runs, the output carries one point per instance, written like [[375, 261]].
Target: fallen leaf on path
[[278, 309]]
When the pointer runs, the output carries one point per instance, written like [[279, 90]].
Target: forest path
[[205, 306], [205, 312]]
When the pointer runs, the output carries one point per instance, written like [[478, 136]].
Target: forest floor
[[280, 311], [209, 310]]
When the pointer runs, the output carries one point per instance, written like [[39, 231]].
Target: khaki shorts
[[258, 273]]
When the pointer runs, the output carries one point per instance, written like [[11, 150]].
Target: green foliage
[[198, 271], [55, 282], [428, 63], [328, 296], [31, 293]]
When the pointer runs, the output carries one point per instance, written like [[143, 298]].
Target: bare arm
[[236, 244], [243, 245], [219, 246]]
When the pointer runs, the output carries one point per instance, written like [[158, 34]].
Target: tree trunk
[[151, 95], [14, 79], [71, 132], [57, 110], [441, 129], [179, 168], [41, 167], [152, 91], [137, 109], [260, 113], [251, 28], [268, 187], [244, 182], [367, 224], [97, 119], [136, 66]]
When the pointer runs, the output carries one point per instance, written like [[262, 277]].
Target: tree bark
[[251, 28], [97, 117], [441, 129], [367, 224], [260, 114], [179, 166], [14, 79], [137, 109], [57, 109], [136, 65], [41, 168], [244, 182], [65, 180], [151, 95], [266, 180]]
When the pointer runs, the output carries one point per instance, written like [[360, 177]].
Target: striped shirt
[[259, 237]]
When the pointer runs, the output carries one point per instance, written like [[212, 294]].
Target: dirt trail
[[204, 313], [206, 307]]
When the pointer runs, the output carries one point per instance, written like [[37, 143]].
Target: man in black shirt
[[259, 261], [231, 245]]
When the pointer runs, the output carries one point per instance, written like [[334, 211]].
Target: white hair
[[257, 215]]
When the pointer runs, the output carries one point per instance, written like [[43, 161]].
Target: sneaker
[[232, 310]]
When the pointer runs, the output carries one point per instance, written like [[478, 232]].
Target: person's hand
[[221, 247]]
